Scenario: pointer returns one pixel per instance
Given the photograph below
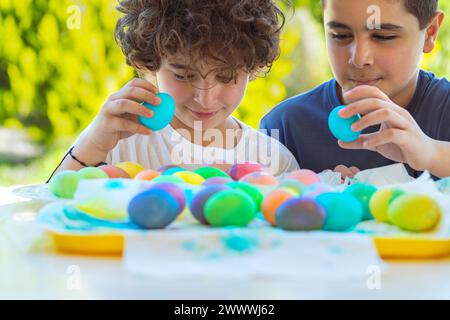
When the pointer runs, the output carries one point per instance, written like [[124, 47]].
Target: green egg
[[230, 208], [380, 201], [64, 184], [342, 211], [209, 172], [414, 212], [293, 184], [92, 173], [363, 193], [250, 190], [173, 179]]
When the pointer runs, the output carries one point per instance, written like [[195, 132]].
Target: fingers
[[379, 116], [143, 84], [375, 140], [364, 92], [345, 171], [122, 106], [125, 125]]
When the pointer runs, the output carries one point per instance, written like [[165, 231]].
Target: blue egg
[[153, 209], [341, 128], [163, 113], [342, 210], [173, 170], [197, 205]]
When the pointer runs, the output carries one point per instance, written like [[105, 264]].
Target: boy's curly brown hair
[[231, 34]]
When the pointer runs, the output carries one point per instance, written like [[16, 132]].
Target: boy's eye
[[384, 38], [340, 36], [184, 78], [224, 78]]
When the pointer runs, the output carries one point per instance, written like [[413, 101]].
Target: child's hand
[[346, 172], [399, 138], [118, 118]]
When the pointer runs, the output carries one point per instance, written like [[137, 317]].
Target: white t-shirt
[[167, 147]]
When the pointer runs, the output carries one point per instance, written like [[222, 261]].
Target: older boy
[[405, 111]]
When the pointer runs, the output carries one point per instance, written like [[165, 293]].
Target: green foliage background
[[55, 74]]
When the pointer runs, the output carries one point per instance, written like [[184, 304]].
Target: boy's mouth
[[365, 82], [203, 115]]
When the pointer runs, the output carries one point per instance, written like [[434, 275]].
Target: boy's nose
[[361, 55], [206, 97]]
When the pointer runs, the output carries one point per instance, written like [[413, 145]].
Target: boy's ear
[[432, 31]]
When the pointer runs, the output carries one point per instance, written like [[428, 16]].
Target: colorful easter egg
[[260, 178], [172, 179], [317, 189], [216, 180], [171, 171], [174, 190], [164, 168], [413, 212], [380, 201], [64, 184], [162, 114], [230, 208], [210, 172], [305, 176], [294, 185], [302, 214], [147, 175], [342, 211], [237, 171], [130, 167], [190, 177], [114, 172], [341, 128], [197, 205], [273, 201], [363, 193], [153, 209], [92, 173], [250, 190]]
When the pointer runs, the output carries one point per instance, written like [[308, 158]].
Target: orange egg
[[147, 175], [272, 201], [305, 176]]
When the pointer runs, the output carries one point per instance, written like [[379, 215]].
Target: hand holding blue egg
[[163, 113], [341, 128]]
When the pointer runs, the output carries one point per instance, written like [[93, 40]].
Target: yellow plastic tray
[[96, 244], [387, 247], [411, 248]]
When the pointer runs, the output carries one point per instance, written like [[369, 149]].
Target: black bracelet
[[81, 162]]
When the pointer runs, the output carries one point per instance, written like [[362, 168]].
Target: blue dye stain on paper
[[239, 243], [114, 184]]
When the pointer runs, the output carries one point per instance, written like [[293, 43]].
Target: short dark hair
[[423, 10], [233, 34]]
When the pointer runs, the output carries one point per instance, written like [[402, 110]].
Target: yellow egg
[[379, 203], [190, 177], [130, 167], [414, 212]]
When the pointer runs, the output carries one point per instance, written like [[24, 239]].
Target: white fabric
[[167, 146]]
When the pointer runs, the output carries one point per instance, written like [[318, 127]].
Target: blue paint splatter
[[114, 184], [188, 245], [239, 243]]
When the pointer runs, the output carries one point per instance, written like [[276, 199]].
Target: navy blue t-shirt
[[303, 124]]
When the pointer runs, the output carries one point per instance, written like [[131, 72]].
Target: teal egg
[[163, 113], [363, 193], [168, 178], [343, 211], [341, 128]]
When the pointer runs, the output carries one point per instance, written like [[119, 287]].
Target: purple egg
[[162, 169], [197, 205], [216, 180], [174, 190], [317, 189], [300, 214]]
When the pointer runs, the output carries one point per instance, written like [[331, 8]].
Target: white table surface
[[45, 274]]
